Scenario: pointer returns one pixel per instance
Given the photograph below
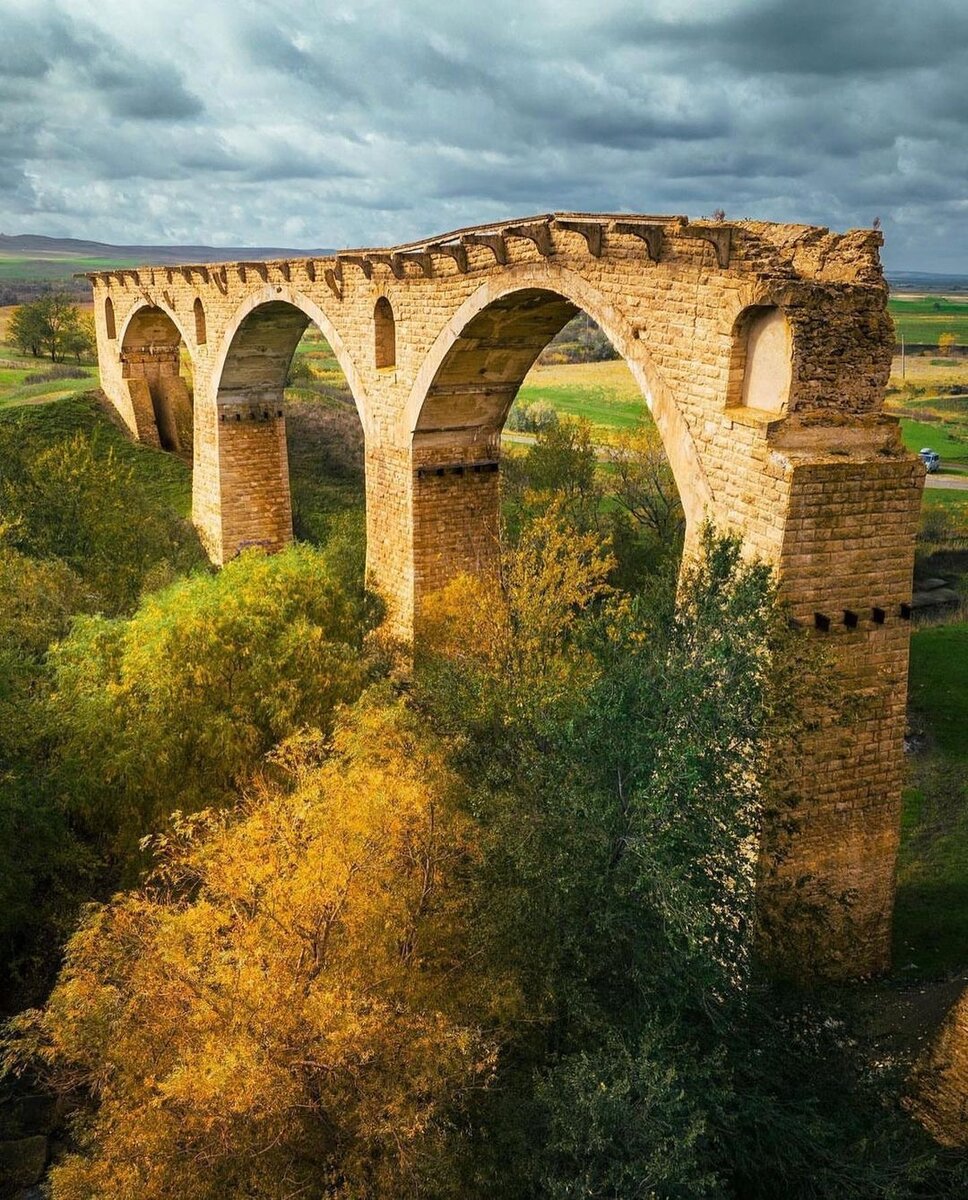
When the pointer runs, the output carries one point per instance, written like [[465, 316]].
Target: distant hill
[[926, 281], [31, 264], [29, 245]]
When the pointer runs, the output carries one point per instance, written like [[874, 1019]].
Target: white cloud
[[326, 123]]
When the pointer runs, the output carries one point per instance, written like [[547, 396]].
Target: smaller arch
[[312, 312], [384, 334], [761, 363], [151, 367], [199, 310], [109, 321]]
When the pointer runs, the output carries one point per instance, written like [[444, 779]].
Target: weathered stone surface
[[762, 350]]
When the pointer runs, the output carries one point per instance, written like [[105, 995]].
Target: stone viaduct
[[762, 351]]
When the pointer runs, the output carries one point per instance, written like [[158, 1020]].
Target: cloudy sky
[[326, 123]]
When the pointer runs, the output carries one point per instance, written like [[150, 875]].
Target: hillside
[[31, 264]]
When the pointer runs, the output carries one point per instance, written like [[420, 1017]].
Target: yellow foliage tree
[[519, 623], [284, 1009]]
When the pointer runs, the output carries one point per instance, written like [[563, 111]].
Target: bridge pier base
[[240, 487]]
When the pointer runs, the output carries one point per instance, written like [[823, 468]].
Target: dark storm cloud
[[822, 37], [354, 121]]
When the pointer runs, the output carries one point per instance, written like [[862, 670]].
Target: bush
[[78, 501], [290, 1006], [176, 707], [534, 416], [55, 373]]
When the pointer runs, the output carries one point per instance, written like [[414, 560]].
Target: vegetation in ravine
[[491, 937], [343, 925]]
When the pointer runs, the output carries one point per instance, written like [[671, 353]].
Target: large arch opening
[[158, 369], [532, 402], [291, 442]]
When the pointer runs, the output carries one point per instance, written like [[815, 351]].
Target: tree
[[560, 469], [44, 871], [51, 324], [27, 329], [175, 707], [644, 485], [81, 340], [947, 342], [613, 758], [291, 1005], [77, 500]]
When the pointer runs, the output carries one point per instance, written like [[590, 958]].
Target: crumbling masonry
[[762, 351]]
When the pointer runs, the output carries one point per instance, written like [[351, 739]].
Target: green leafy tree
[[175, 707], [51, 325], [81, 340], [614, 759], [43, 869], [27, 330]]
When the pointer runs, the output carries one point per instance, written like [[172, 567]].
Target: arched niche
[[199, 311], [384, 334], [762, 367]]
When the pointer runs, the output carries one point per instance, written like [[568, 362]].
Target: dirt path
[[951, 482]]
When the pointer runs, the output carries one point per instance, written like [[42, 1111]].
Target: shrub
[[175, 707], [56, 372]]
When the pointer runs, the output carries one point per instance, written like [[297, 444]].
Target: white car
[[931, 459]]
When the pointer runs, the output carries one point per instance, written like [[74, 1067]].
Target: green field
[[924, 318], [931, 919], [602, 393], [36, 269], [950, 440]]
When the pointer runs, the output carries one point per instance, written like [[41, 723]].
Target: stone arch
[[151, 342], [310, 312], [458, 406], [571, 290], [255, 505], [384, 335]]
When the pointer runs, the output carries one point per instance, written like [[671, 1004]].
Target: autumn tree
[[292, 1004], [947, 342]]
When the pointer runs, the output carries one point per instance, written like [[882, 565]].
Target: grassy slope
[[166, 478], [931, 917]]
